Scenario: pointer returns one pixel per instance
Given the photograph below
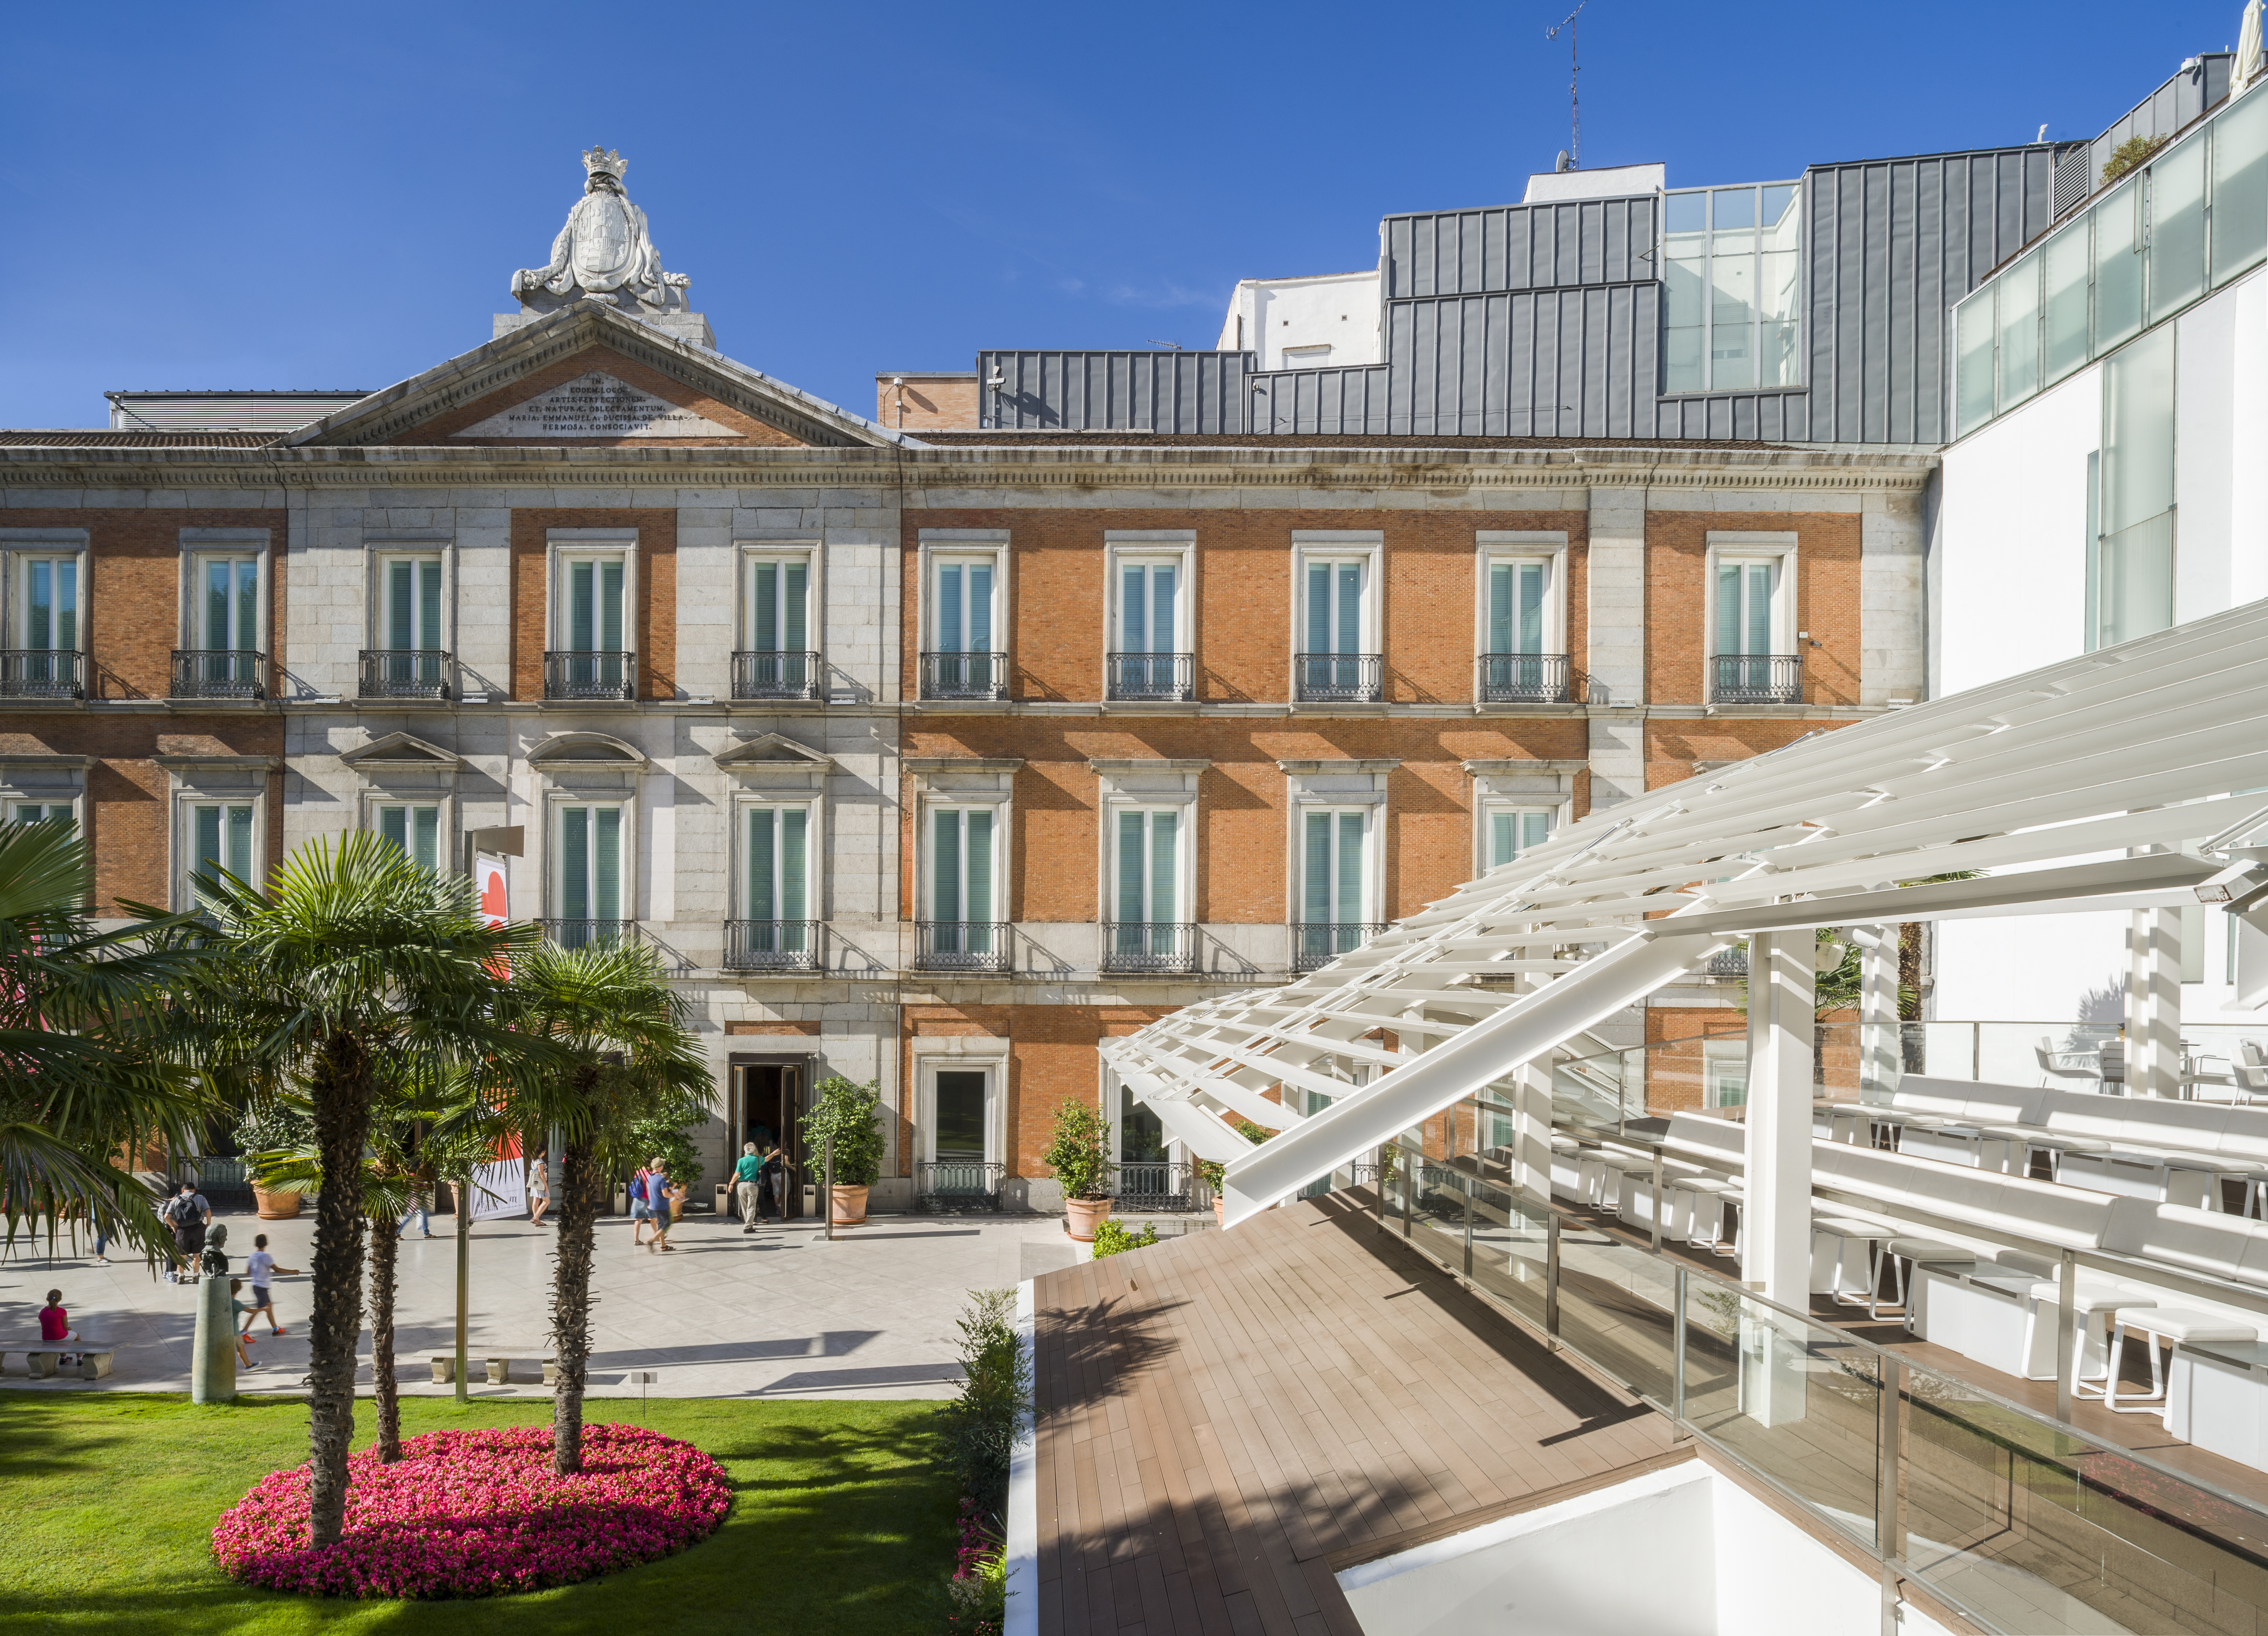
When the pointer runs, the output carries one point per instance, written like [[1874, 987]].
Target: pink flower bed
[[479, 1513]]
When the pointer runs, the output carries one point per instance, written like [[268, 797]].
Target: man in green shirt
[[744, 1184]]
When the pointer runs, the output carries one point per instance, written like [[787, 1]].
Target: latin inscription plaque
[[597, 405]]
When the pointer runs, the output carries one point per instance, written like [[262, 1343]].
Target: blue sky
[[331, 195]]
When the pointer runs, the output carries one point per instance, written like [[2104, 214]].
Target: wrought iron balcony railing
[[771, 945], [577, 674], [219, 672], [964, 1182], [1755, 679], [1524, 678], [1339, 678], [1145, 1184], [1316, 943], [574, 934], [1167, 676], [962, 944], [402, 673], [964, 675], [1162, 945], [1727, 962], [41, 673], [775, 675]]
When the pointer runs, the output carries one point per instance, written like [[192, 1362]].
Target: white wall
[[1337, 310]]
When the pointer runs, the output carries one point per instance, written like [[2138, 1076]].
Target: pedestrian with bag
[[641, 1206], [657, 1193], [188, 1214]]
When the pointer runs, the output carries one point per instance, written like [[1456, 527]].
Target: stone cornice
[[951, 477]]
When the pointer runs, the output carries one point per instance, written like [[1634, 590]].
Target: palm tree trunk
[[570, 1300], [340, 1087], [386, 1392]]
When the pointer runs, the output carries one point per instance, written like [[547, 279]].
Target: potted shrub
[[1081, 1161], [1213, 1173], [849, 1113], [270, 1127]]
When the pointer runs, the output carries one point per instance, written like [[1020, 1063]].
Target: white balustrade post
[[1776, 1259], [2154, 1003]]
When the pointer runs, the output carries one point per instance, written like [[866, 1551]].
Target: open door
[[767, 1100]]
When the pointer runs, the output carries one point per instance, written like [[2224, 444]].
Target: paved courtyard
[[780, 1312]]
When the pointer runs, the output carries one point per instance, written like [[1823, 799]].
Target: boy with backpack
[[186, 1213]]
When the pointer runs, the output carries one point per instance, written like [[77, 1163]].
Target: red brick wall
[[1673, 746], [939, 403], [655, 615], [446, 424], [1826, 599]]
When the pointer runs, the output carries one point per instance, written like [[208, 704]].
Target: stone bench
[[43, 1359], [498, 1361]]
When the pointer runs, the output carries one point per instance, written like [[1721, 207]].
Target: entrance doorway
[[958, 1170], [767, 1107]]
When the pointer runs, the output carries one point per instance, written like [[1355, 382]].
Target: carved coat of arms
[[604, 249]]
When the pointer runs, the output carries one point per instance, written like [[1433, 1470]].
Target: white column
[[1776, 1260], [1531, 1123], [2154, 1003], [1880, 1058], [1614, 580]]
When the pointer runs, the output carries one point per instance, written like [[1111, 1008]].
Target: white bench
[[44, 1358], [497, 1361]]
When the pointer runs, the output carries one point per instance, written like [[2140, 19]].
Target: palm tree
[[356, 962], [87, 1067], [629, 1056]]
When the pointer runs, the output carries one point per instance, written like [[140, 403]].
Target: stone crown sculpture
[[604, 251]]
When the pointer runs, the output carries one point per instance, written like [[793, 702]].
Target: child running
[[261, 1268], [244, 1335]]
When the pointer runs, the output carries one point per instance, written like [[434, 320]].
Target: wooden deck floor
[[1229, 1418]]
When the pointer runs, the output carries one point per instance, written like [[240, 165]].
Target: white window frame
[[374, 800], [1367, 909], [1309, 355], [1122, 547], [747, 554], [814, 841], [567, 546], [1524, 785], [1112, 1096], [983, 1054], [1727, 549], [926, 901], [1493, 809], [20, 547], [942, 544], [556, 802], [1715, 1055], [1493, 547], [382, 555], [213, 781], [47, 781], [199, 544], [1367, 545], [1146, 786], [1335, 785]]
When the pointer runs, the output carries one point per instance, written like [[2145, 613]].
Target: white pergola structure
[[2107, 782]]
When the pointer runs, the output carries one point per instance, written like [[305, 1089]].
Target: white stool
[[2089, 1301], [2176, 1326], [1704, 1213], [1901, 1250], [1841, 1228]]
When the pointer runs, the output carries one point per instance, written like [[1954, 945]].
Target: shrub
[[979, 1585], [981, 1425], [847, 1112], [1078, 1154], [1111, 1237], [275, 1125], [2131, 154], [681, 1155]]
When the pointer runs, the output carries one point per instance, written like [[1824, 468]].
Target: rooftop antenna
[[1574, 73]]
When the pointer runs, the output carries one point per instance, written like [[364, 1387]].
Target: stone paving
[[779, 1312]]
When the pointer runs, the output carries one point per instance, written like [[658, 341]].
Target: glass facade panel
[[2019, 304], [2066, 300], [2119, 263], [2134, 576], [1732, 271], [2177, 227], [2239, 187], [1972, 392], [1684, 278], [1779, 288]]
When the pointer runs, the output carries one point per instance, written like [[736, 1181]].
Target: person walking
[[539, 1188], [261, 1267], [658, 1192], [641, 1206], [746, 1185], [188, 1214], [417, 1213], [771, 1188]]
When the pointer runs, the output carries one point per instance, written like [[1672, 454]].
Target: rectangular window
[[1733, 284], [1517, 608], [413, 605], [2118, 267], [593, 621], [779, 603], [959, 1137], [2019, 296], [1332, 874], [961, 616], [228, 603], [1148, 872], [1512, 833], [415, 831], [220, 839], [1745, 595], [961, 872], [778, 865], [2066, 299], [1335, 606], [2135, 575], [590, 871], [1147, 605], [1724, 1073], [2177, 227], [49, 591], [2239, 187], [41, 812]]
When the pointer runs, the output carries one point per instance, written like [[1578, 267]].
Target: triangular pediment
[[590, 375], [401, 749], [774, 749]]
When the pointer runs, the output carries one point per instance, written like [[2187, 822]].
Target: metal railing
[[962, 944], [1338, 678], [585, 674], [964, 675], [758, 676], [41, 673], [1155, 1185], [771, 946], [1727, 962], [1137, 946], [1316, 943], [2017, 1519], [958, 1182], [219, 672], [1169, 676], [1755, 679], [1524, 678], [402, 673], [574, 934], [226, 1183]]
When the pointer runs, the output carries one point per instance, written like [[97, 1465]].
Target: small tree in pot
[[850, 1113], [273, 1124], [1080, 1159]]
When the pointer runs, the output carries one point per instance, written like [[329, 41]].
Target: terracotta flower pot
[[1219, 1210], [1082, 1216], [275, 1206], [847, 1205]]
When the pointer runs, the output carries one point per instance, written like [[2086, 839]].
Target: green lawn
[[841, 1521]]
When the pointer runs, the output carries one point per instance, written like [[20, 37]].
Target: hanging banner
[[493, 882], [500, 1186]]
